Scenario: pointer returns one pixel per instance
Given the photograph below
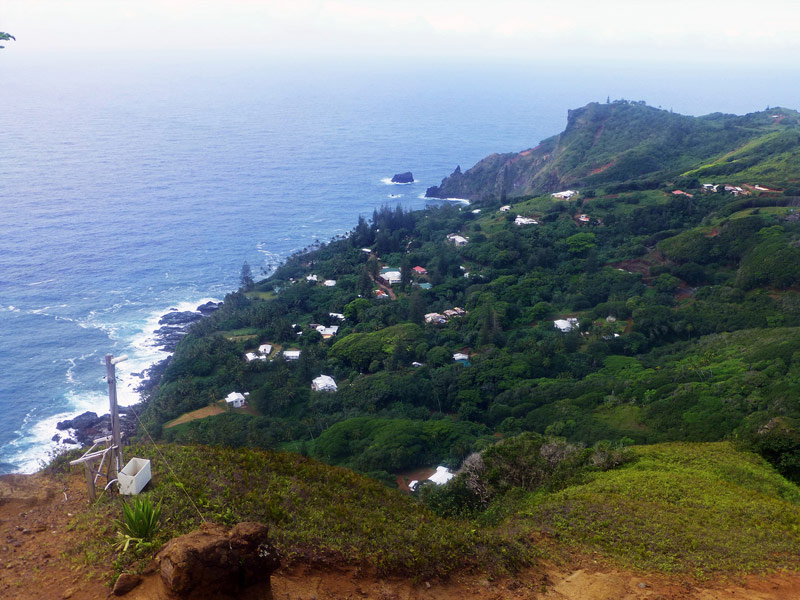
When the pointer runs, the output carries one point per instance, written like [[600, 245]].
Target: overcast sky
[[733, 31]]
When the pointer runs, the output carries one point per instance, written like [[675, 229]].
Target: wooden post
[[116, 438], [90, 481]]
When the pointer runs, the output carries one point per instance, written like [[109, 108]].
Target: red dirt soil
[[35, 537]]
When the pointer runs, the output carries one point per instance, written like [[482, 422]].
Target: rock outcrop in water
[[406, 177]]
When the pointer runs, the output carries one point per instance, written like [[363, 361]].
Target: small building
[[327, 332], [440, 477], [339, 316], [235, 400], [251, 356], [324, 383], [584, 218], [265, 349], [291, 354], [312, 278], [461, 357], [417, 364], [329, 283], [392, 277], [420, 270], [734, 189], [565, 325], [381, 295], [435, 318], [476, 211], [457, 239], [505, 208], [565, 195], [520, 220], [367, 250]]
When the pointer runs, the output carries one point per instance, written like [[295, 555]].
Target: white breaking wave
[[461, 200], [388, 181]]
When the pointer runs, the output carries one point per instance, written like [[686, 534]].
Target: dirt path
[[385, 288], [200, 413]]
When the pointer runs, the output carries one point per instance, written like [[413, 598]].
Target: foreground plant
[[139, 524]]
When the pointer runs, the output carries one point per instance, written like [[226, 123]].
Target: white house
[[505, 208], [312, 278], [235, 400], [565, 325], [265, 349], [442, 476], [460, 356], [324, 383], [291, 354], [339, 316], [329, 283], [457, 239], [565, 195], [392, 277], [435, 318], [251, 356], [520, 220], [327, 332]]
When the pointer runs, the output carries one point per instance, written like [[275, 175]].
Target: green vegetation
[[140, 521], [316, 514], [684, 326], [699, 508]]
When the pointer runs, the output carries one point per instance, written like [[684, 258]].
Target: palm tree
[[6, 36]]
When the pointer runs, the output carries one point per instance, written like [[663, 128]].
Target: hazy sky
[[733, 31]]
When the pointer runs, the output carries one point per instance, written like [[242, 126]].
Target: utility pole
[[115, 439], [116, 443]]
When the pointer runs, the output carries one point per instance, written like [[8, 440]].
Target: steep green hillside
[[680, 507], [605, 145]]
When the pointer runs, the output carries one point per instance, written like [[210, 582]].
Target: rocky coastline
[[89, 426]]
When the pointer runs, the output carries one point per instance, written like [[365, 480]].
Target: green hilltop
[[635, 145]]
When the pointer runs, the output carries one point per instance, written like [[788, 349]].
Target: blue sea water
[[130, 185]]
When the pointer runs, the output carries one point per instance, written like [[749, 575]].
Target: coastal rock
[[180, 318], [406, 177], [88, 427], [212, 562], [208, 308], [82, 421]]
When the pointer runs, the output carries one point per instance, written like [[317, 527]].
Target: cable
[[166, 462]]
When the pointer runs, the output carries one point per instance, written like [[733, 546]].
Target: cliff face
[[608, 143]]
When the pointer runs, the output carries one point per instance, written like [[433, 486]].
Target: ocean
[[132, 185]]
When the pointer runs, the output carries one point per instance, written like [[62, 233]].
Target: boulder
[[406, 177], [125, 583], [214, 563]]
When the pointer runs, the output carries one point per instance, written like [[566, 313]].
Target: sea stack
[[406, 177]]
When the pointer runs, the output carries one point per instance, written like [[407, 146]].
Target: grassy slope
[[680, 507], [316, 513]]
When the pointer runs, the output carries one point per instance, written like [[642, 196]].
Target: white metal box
[[134, 476]]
